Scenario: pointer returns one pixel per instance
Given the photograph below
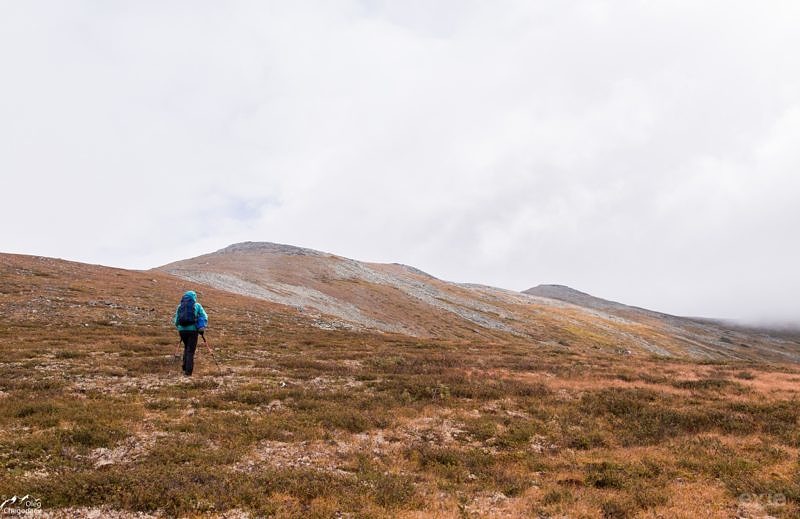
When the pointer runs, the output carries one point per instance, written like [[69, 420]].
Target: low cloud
[[644, 152]]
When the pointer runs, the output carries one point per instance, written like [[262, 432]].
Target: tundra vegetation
[[302, 421]]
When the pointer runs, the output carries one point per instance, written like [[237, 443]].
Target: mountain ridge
[[571, 295], [342, 293]]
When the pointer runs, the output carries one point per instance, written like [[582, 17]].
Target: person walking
[[190, 320]]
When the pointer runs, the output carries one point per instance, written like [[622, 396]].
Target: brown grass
[[307, 422]]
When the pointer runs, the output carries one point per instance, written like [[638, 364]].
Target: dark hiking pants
[[189, 339]]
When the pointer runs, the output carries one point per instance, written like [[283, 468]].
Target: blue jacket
[[202, 317]]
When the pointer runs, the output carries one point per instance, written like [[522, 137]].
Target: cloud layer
[[642, 151]]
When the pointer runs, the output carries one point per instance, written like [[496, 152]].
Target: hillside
[[298, 420], [576, 297], [341, 293]]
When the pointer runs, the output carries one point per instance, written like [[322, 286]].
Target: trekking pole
[[211, 351], [177, 355]]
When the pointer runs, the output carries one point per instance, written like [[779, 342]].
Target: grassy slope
[[312, 422]]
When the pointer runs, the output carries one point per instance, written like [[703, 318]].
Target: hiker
[[190, 319]]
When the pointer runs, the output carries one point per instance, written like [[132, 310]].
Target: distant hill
[[576, 297], [262, 283], [335, 292]]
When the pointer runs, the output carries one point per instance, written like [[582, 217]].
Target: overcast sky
[[642, 151]]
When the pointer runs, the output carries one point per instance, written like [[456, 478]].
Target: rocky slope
[[340, 293]]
